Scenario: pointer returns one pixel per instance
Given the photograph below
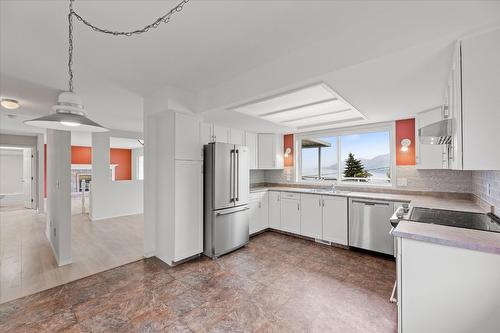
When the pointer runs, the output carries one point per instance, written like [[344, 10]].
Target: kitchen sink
[[326, 191]]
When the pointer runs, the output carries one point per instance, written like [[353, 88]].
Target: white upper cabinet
[[188, 144], [221, 134], [311, 216], [206, 133], [335, 219], [275, 210], [430, 156], [252, 143], [481, 101], [236, 137], [270, 151]]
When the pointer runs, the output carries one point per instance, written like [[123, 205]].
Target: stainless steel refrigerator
[[226, 187]]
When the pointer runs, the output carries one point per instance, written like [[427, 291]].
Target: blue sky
[[366, 145]]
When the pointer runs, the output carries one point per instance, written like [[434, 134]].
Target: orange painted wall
[[83, 155], [405, 129], [122, 157], [288, 143]]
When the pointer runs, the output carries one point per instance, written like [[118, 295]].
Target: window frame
[[339, 132]]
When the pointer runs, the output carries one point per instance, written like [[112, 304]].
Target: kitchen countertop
[[425, 201], [444, 235]]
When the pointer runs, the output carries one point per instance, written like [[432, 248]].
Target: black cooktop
[[478, 221]]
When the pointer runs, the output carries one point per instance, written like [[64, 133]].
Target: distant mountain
[[377, 162]]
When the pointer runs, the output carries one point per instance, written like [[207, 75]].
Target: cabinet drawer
[[256, 195], [290, 195]]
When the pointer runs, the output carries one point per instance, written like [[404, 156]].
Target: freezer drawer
[[369, 225], [229, 231]]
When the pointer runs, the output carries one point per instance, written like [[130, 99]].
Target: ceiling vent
[[308, 108]]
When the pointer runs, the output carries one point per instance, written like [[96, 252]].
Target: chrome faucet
[[333, 188]]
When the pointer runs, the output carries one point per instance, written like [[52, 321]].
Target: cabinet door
[[335, 220], [267, 151], [251, 143], [290, 215], [481, 101], [264, 212], [254, 212], [274, 210], [236, 137], [311, 216], [187, 138], [206, 133], [221, 134], [429, 156], [188, 209]]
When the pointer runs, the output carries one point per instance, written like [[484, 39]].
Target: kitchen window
[[359, 157]]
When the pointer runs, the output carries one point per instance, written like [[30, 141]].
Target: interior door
[[242, 176], [223, 185], [27, 175]]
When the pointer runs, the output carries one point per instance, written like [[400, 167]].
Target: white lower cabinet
[[311, 216], [290, 212], [275, 210], [188, 228], [259, 210], [335, 219]]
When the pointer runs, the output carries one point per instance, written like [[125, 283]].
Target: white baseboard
[[113, 216]]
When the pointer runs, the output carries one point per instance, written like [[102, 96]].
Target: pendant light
[[69, 111]]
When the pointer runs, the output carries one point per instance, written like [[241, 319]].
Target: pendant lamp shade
[[69, 116]]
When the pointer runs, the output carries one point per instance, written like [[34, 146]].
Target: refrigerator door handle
[[237, 170], [231, 176]]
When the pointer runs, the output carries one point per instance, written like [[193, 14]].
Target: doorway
[[18, 188]]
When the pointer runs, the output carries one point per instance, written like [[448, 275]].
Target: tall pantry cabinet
[[179, 174]]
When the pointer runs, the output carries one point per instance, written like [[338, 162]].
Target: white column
[[59, 194], [101, 174]]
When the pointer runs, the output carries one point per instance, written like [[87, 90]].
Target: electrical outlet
[[402, 182], [488, 190]]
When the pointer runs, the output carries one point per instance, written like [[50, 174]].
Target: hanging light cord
[[162, 19]]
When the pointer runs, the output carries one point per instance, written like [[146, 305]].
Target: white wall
[[136, 153], [58, 194], [110, 198]]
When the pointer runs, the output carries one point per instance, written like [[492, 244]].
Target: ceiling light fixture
[[69, 111], [9, 103]]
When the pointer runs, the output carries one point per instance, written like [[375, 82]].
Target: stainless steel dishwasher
[[369, 225]]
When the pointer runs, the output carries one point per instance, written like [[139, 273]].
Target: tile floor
[[276, 283]]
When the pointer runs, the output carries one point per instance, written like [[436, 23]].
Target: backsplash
[[418, 180], [435, 180], [480, 181]]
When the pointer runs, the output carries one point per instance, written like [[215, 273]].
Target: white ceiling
[[387, 58]]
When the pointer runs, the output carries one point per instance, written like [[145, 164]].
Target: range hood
[[438, 133]]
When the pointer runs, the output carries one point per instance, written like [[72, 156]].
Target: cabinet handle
[[323, 202], [260, 204], [319, 202], [298, 206]]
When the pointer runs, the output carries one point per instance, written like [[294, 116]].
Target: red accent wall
[[122, 157], [405, 129], [83, 155], [288, 143]]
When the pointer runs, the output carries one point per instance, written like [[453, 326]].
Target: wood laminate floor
[[277, 283], [27, 264]]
